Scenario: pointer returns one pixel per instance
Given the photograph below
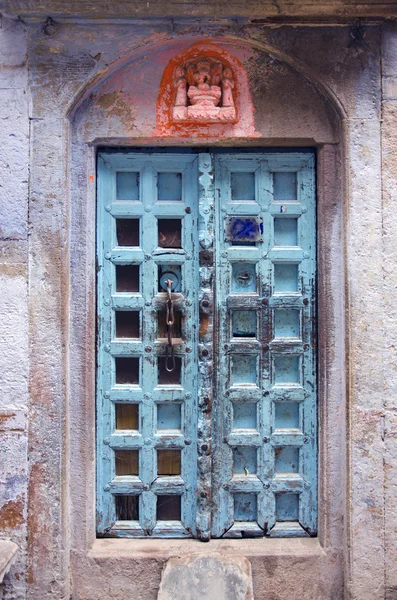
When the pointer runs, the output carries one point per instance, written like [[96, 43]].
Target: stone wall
[[389, 196], [14, 326], [97, 83]]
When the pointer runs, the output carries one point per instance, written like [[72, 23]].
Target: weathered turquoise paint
[[147, 188], [256, 369], [265, 413]]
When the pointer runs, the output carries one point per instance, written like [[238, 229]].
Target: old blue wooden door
[[146, 402], [265, 409], [211, 432]]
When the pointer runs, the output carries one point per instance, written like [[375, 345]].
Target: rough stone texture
[[206, 577], [8, 552], [364, 243], [97, 83], [14, 355], [389, 162], [134, 568], [47, 381]]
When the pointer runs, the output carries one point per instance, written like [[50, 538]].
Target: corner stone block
[[206, 577]]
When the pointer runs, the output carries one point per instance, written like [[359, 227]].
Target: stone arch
[[126, 95]]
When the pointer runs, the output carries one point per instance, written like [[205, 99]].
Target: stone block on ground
[[206, 577]]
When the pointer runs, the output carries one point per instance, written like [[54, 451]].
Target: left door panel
[[146, 402]]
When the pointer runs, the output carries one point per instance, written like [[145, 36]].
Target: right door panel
[[265, 417]]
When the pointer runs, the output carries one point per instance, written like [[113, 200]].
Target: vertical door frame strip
[[205, 361]]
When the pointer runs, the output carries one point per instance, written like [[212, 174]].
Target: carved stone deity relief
[[204, 92]]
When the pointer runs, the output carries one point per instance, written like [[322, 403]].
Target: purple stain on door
[[243, 229]]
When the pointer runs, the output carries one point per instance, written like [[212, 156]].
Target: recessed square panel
[[285, 278], [244, 460], [127, 370], [244, 323], [169, 370], [168, 462], [287, 459], [245, 507], [243, 229], [169, 233], [243, 186], [244, 415], [169, 416], [168, 508], [127, 185], [127, 508], [285, 232], [169, 186], [286, 369], [284, 186], [287, 507], [127, 232], [127, 416], [127, 278], [286, 323], [127, 462], [244, 369], [286, 415], [127, 324], [243, 277]]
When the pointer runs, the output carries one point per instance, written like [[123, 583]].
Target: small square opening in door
[[242, 186], [127, 324], [127, 185], [169, 186], [245, 507], [244, 415], [168, 508], [127, 508], [168, 462], [244, 369], [127, 416], [128, 232], [127, 278], [244, 323], [169, 370], [127, 462], [127, 370], [169, 233], [285, 185], [169, 416]]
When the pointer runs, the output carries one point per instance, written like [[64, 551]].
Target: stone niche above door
[[204, 91]]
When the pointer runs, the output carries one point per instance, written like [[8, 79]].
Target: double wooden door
[[206, 383]]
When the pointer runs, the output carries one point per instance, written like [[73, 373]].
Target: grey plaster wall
[[14, 348], [389, 274], [55, 96]]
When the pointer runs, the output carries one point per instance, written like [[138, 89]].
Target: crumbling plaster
[[98, 83]]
